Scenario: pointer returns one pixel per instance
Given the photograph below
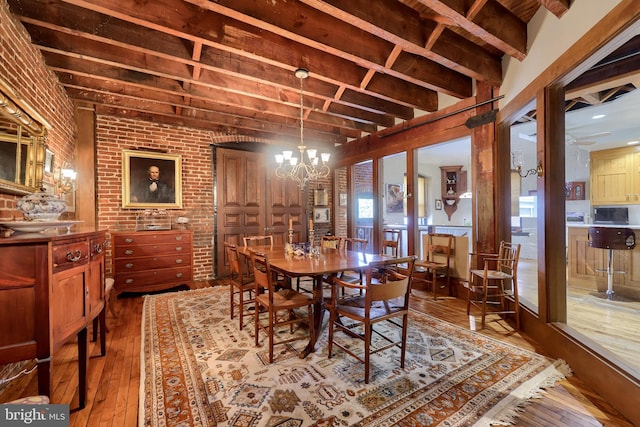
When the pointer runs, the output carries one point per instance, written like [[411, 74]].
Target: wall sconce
[[517, 161], [66, 180]]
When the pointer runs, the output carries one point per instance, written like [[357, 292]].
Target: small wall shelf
[[454, 183]]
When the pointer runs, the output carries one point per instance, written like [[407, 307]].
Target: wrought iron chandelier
[[302, 171]]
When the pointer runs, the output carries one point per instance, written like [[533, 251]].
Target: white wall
[[549, 37]]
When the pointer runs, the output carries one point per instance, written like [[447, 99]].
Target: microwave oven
[[611, 216]]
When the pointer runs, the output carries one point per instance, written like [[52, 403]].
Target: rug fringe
[[507, 411]]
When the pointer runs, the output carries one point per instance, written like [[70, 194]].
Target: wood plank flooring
[[114, 379]]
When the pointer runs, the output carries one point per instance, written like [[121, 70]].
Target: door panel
[[240, 181], [251, 201]]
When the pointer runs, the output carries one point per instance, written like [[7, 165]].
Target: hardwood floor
[[114, 379], [612, 326]]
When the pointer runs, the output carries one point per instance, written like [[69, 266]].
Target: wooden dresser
[[145, 261], [51, 288]]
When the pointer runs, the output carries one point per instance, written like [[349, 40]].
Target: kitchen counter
[[581, 225]]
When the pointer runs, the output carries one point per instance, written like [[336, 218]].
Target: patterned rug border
[[504, 412]]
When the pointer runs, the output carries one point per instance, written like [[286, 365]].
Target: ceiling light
[[598, 116], [299, 170]]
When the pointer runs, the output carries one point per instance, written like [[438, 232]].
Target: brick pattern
[[23, 68], [116, 134]]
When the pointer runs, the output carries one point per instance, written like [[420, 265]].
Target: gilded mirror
[[22, 144]]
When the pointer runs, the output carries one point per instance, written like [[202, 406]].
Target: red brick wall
[[23, 68], [114, 135]]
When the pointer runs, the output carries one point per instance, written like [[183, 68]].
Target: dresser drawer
[[70, 254], [129, 281], [152, 262], [148, 238], [151, 250]]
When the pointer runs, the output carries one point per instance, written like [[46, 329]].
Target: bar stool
[[611, 238]]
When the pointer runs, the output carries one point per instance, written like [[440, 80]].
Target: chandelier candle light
[[303, 171]]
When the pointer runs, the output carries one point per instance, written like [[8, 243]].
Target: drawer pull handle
[[128, 265], [179, 261], [129, 281], [128, 240], [178, 248], [73, 257], [178, 237], [98, 248], [179, 275], [128, 252]]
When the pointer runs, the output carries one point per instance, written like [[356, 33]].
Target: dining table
[[326, 262]]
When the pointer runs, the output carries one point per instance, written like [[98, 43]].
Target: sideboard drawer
[[69, 255]]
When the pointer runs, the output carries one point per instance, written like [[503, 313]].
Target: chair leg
[[434, 286], [272, 316], [231, 300], [367, 351], [257, 321], [241, 308], [405, 321], [484, 302]]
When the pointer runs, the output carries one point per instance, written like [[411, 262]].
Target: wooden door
[[252, 201]]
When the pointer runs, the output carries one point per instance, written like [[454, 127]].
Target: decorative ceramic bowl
[[41, 206], [451, 202]]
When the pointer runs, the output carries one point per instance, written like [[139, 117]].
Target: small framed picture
[[320, 197], [438, 204], [48, 161], [343, 199], [321, 215]]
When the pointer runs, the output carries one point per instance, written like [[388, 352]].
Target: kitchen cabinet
[[453, 184], [51, 288], [145, 261], [615, 176]]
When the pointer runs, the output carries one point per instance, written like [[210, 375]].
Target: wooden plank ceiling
[[227, 66]]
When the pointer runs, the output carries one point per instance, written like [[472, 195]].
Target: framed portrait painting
[[151, 180]]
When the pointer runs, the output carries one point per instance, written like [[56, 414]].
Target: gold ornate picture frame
[[140, 191]]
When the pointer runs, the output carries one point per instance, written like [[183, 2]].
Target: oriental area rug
[[199, 369]]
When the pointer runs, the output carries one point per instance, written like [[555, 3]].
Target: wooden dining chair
[[258, 240], [438, 248], [493, 278], [241, 288], [273, 302], [331, 242], [356, 245], [385, 299], [391, 242]]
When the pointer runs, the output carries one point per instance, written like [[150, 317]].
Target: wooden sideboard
[[51, 288], [145, 261]]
